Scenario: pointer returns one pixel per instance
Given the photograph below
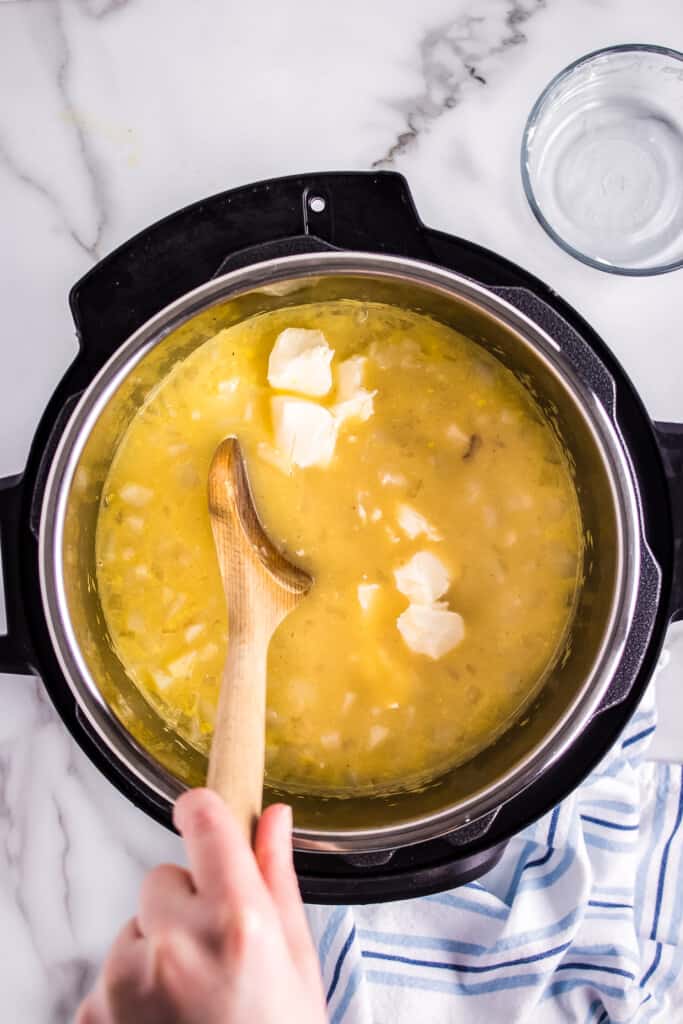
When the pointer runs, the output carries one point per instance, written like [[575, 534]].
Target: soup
[[413, 477]]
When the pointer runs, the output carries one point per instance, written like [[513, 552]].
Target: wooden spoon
[[261, 588]]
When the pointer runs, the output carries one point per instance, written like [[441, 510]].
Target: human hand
[[226, 942]]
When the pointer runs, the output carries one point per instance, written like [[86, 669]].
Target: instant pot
[[313, 238]]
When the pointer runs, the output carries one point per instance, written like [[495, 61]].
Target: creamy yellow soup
[[412, 475]]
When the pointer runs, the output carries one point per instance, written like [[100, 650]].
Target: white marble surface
[[115, 112]]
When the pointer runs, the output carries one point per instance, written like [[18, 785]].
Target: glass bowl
[[602, 159]]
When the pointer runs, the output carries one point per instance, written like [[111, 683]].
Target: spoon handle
[[237, 755]]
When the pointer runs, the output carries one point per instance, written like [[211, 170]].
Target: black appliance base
[[362, 211]]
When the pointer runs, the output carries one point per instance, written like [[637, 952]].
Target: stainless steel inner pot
[[114, 708]]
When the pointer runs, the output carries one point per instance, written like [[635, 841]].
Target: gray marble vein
[[450, 58], [11, 165], [81, 79], [100, 9], [95, 177], [53, 30]]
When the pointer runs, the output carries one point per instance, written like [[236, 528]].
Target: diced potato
[[393, 479], [135, 523], [348, 702], [377, 734], [181, 667], [135, 622], [305, 433], [193, 631], [457, 436], [162, 680], [431, 630], [176, 605], [187, 475], [490, 516], [300, 361], [331, 740], [423, 579], [366, 594], [136, 494], [413, 524], [208, 652]]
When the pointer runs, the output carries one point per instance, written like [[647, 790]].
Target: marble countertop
[[116, 112]]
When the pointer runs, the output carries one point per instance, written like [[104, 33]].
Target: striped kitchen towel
[[581, 920]]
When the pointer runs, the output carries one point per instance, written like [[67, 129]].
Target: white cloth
[[580, 921]]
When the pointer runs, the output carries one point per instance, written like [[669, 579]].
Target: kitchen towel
[[580, 921]]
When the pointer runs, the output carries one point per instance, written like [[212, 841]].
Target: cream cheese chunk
[[300, 361], [431, 630], [423, 579], [305, 433], [353, 400]]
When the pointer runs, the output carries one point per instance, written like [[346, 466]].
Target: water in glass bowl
[[603, 160]]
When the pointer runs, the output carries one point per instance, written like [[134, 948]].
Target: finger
[[125, 971], [221, 862], [273, 851], [167, 897], [93, 1011]]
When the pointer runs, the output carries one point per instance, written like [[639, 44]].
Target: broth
[[424, 492]]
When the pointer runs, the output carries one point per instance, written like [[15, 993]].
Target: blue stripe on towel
[[340, 962], [638, 736], [565, 922], [467, 968], [349, 992], [610, 824], [461, 988], [331, 929], [664, 864]]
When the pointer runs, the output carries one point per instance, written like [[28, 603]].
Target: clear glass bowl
[[602, 159]]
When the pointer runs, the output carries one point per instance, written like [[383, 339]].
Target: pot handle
[[293, 245], [14, 648], [670, 441]]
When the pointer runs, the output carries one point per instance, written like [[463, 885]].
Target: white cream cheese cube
[[300, 361], [423, 579], [350, 375], [353, 400], [305, 433], [431, 630]]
